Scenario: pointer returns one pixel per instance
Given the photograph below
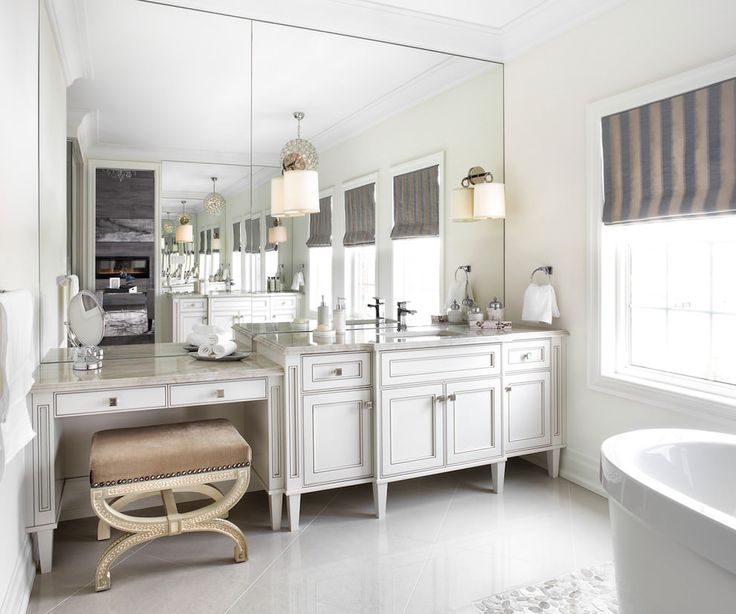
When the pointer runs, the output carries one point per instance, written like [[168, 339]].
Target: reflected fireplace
[[112, 266]]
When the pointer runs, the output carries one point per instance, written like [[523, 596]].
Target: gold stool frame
[[138, 530]]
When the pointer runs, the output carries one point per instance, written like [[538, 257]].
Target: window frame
[[604, 270], [331, 193]]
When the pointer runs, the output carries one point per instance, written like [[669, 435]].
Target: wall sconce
[[277, 233], [296, 192], [478, 198]]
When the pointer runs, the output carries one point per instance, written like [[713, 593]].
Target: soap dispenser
[[323, 313], [339, 316]]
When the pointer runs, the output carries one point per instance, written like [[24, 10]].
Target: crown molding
[[68, 21]]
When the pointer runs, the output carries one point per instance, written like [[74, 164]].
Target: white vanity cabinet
[[186, 313]]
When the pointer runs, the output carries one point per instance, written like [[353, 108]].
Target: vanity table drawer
[[433, 365], [334, 371], [282, 303], [217, 392], [106, 401], [526, 355], [193, 304]]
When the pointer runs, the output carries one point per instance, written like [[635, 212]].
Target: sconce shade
[[489, 201], [277, 234], [216, 244], [185, 233], [301, 192], [462, 205]]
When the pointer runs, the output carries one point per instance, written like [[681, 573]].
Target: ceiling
[[150, 82]]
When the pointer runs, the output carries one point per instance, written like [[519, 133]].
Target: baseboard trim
[[582, 470], [16, 597]]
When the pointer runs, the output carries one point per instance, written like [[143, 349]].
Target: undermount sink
[[421, 333]]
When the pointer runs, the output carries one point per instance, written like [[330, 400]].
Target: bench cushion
[[121, 456]]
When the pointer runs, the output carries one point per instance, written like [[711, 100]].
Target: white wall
[[547, 89], [18, 241]]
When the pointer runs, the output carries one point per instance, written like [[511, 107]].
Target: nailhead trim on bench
[[162, 476]]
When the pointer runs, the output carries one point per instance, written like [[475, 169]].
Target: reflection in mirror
[[392, 145], [86, 329]]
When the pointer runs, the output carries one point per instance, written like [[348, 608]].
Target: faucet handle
[[378, 300], [401, 304]]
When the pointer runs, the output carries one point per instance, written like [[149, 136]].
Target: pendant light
[[214, 203], [297, 191], [167, 227], [185, 230], [277, 233]]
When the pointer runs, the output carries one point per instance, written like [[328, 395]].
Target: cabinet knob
[[508, 389], [368, 404], [338, 371], [441, 398], [220, 393], [452, 397], [113, 402]]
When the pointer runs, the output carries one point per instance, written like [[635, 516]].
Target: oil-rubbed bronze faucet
[[401, 313]]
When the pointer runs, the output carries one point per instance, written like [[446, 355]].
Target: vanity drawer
[[217, 392], [194, 304], [526, 355], [282, 303], [335, 371], [433, 365], [260, 303], [106, 401]]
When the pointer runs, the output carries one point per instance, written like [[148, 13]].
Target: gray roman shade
[[417, 204], [320, 225], [270, 247], [208, 241], [237, 245], [360, 216], [215, 235], [672, 158], [253, 234], [202, 245]]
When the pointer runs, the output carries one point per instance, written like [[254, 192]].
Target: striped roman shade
[[360, 216], [270, 247], [237, 245], [215, 235], [417, 204], [208, 241], [672, 158], [253, 230], [320, 225], [202, 244]]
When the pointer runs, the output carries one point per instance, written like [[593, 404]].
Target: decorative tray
[[188, 347], [230, 358]]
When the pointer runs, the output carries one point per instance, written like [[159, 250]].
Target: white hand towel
[[219, 338], [297, 281], [458, 289], [224, 349], [205, 350], [197, 338], [17, 362], [540, 304]]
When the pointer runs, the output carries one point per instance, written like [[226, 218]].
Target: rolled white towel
[[224, 349], [218, 338], [197, 339], [205, 350]]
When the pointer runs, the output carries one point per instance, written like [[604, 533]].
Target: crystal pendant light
[[167, 226], [185, 230], [299, 154], [214, 203]]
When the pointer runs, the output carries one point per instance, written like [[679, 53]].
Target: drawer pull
[[220, 393], [526, 356], [368, 405], [452, 397], [508, 389], [113, 401], [338, 371]]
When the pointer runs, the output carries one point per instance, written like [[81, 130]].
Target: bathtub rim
[[704, 529]]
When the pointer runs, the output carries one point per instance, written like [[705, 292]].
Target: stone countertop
[[148, 370], [224, 294], [389, 338]]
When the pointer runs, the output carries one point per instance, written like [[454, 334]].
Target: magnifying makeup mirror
[[86, 329]]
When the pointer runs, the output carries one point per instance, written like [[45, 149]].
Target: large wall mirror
[[161, 111]]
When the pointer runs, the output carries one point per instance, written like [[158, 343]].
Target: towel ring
[[464, 267], [547, 270]]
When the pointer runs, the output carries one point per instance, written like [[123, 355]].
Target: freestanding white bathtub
[[672, 500]]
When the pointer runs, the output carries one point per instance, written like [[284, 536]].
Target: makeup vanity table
[[145, 378]]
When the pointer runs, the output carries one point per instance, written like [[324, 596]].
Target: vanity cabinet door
[[337, 436], [185, 324], [526, 411], [412, 429], [473, 420]]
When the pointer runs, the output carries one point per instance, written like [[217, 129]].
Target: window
[[664, 301], [236, 262], [320, 254], [360, 247], [416, 244], [272, 254]]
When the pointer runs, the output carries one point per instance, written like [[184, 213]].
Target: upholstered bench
[[134, 463]]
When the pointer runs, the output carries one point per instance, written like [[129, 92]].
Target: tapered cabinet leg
[[44, 543], [293, 503], [380, 493], [498, 473], [275, 505], [553, 462]]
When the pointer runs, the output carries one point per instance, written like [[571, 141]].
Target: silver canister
[[495, 310]]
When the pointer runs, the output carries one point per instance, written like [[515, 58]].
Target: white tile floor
[[446, 542]]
